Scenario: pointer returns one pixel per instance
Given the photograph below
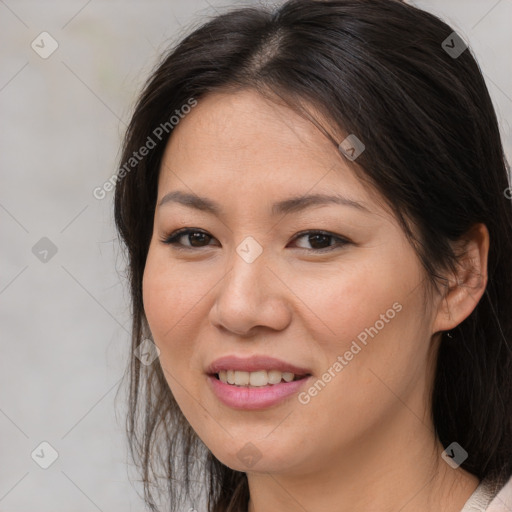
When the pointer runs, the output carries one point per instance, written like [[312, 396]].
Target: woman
[[319, 246]]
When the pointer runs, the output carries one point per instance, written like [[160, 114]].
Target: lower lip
[[250, 398]]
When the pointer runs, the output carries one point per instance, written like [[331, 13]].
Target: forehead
[[244, 121], [243, 143]]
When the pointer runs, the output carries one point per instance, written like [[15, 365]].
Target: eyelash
[[173, 238]]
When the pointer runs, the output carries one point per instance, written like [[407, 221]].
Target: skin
[[366, 441]]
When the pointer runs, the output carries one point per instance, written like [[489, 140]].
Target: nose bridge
[[248, 269], [249, 295]]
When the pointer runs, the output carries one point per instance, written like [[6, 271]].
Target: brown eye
[[321, 241], [188, 238], [197, 238]]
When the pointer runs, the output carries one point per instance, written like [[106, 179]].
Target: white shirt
[[490, 496]]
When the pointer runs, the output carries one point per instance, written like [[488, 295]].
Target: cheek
[[171, 294], [352, 303], [370, 327], [372, 316], [171, 304]]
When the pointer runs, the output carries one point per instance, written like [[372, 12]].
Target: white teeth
[[241, 378], [258, 378], [254, 379], [274, 377]]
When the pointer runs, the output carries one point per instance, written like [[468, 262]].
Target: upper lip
[[253, 364]]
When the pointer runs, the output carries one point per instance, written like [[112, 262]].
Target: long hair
[[378, 70]]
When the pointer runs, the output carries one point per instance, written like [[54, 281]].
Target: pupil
[[197, 237], [324, 237]]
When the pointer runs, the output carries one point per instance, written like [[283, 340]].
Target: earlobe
[[465, 288]]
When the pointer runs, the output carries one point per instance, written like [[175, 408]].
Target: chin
[[259, 456]]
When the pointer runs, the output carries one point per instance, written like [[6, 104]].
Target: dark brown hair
[[433, 150]]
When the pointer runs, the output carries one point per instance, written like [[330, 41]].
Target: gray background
[[64, 322]]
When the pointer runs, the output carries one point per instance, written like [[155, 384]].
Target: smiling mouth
[[257, 379]]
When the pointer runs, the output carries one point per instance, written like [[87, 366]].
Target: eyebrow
[[293, 204]]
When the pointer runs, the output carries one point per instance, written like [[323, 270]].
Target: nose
[[251, 298]]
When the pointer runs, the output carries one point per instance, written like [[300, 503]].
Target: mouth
[[258, 382], [257, 379]]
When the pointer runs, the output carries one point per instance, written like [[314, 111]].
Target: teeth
[[274, 377], [241, 378], [254, 379]]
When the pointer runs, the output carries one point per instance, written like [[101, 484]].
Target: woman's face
[[343, 307]]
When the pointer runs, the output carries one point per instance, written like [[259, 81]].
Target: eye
[[190, 238], [321, 241], [194, 237]]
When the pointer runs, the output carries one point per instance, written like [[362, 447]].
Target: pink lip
[[251, 398], [253, 364], [241, 397]]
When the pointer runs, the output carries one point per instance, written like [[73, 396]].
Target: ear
[[466, 287]]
